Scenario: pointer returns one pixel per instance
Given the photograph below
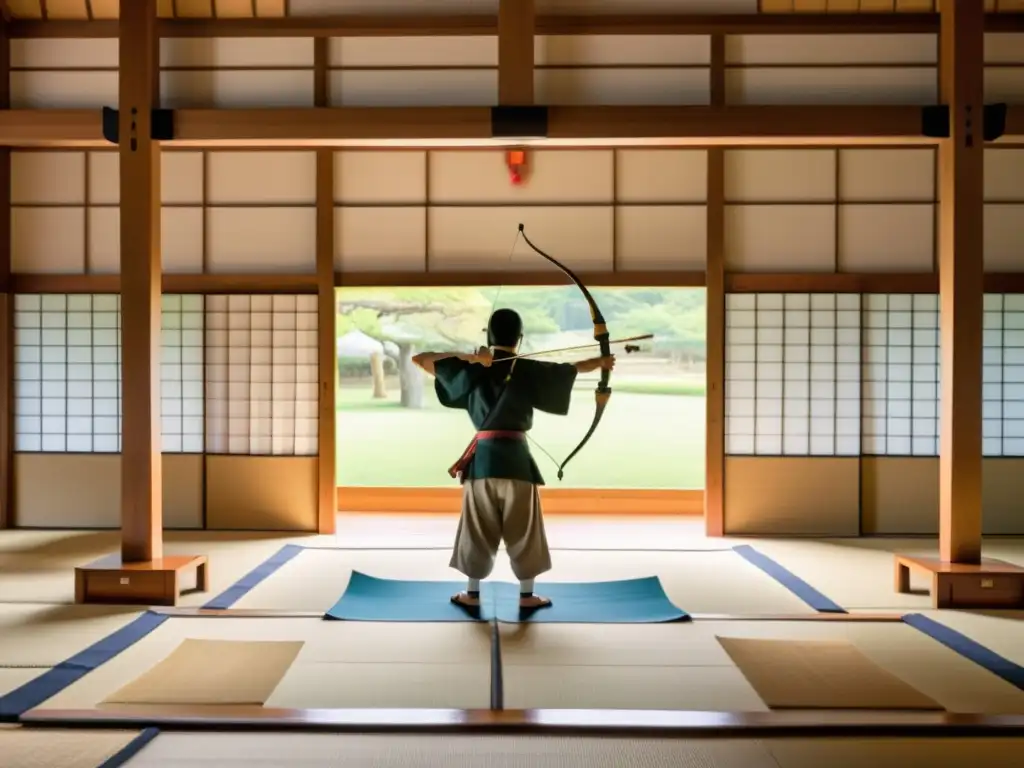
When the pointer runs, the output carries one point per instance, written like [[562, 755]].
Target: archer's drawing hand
[[484, 357], [586, 366], [608, 363]]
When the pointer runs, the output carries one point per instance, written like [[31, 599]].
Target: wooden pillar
[[515, 52], [714, 446], [141, 476], [327, 481], [961, 279], [6, 306]]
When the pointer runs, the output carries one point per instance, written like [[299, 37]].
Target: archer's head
[[505, 329]]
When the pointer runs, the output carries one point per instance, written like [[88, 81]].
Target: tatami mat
[[55, 748], [11, 679], [46, 635], [1002, 632], [555, 666], [697, 582]]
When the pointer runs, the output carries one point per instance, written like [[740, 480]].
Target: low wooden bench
[[154, 582], [989, 584]]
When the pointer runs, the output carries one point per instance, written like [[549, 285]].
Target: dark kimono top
[[477, 389]]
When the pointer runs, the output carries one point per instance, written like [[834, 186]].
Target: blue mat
[[789, 580], [635, 601], [1001, 667], [247, 583]]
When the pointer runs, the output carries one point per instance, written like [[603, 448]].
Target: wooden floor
[[644, 681]]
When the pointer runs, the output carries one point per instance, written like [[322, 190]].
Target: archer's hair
[[505, 328]]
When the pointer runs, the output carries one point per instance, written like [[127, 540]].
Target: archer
[[500, 480]]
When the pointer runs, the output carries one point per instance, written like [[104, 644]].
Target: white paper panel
[[104, 241], [1004, 84], [386, 7], [181, 177], [380, 239], [63, 90], [1004, 48], [607, 50], [868, 175], [598, 7], [610, 87], [661, 237], [374, 177], [833, 85], [780, 175], [258, 240], [370, 52], [105, 177], [48, 240], [181, 374], [47, 178], [1004, 238], [63, 53], [414, 88], [780, 238], [553, 176], [886, 238], [270, 178], [214, 52], [831, 49], [181, 237], [236, 89], [1004, 175], [661, 176], [481, 238]]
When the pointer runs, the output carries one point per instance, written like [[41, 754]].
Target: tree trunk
[[377, 369], [410, 377]]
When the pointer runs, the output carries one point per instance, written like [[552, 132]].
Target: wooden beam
[[569, 126], [141, 475], [961, 280], [516, 22], [170, 283], [485, 25], [6, 305], [714, 441], [498, 277]]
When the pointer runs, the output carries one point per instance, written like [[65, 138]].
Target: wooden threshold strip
[[606, 722]]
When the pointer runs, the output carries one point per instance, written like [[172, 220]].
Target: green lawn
[[651, 436]]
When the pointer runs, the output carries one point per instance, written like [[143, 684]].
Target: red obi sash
[[459, 467]]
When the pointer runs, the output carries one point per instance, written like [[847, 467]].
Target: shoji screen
[[1004, 375], [261, 375]]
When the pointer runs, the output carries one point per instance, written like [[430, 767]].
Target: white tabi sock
[[474, 586], [526, 586]]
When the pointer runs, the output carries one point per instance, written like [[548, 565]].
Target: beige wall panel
[[886, 238], [1000, 48], [1001, 84], [181, 237], [372, 177], [1004, 175], [105, 178], [214, 52], [780, 175], [553, 176], [89, 494], [900, 495], [274, 493], [830, 86], [328, 7], [481, 238], [622, 86], [271, 178], [792, 496], [414, 88], [104, 241], [61, 53], [866, 175], [181, 177], [661, 176], [260, 240], [592, 7], [48, 240], [622, 50], [661, 237], [371, 52], [1004, 238], [63, 90], [1003, 511], [236, 89], [831, 49], [780, 238], [48, 177], [380, 239]]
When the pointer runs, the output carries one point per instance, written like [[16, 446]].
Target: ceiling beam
[[484, 25]]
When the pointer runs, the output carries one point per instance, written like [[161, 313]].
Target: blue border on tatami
[[247, 583], [789, 580], [53, 681], [970, 649], [131, 749]]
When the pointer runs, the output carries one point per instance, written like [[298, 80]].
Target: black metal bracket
[[935, 121], [519, 122], [161, 125]]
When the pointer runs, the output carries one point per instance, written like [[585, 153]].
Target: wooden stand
[[992, 584], [156, 582]]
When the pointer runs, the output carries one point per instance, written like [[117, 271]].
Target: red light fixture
[[515, 161]]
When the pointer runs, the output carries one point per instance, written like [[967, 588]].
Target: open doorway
[[395, 442]]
